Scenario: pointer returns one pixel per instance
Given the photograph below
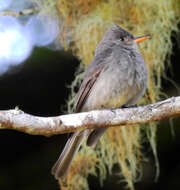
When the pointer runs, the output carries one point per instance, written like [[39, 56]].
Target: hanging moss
[[85, 22]]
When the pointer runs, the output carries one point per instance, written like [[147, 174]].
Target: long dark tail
[[62, 165]]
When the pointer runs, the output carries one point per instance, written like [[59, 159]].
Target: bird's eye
[[122, 39]]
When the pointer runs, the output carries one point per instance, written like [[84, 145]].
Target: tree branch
[[25, 12], [47, 126]]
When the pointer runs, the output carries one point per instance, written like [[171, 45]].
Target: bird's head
[[116, 33]]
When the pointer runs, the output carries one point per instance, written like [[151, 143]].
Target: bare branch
[[20, 13], [47, 126]]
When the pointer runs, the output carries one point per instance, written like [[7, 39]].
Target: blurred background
[[40, 86]]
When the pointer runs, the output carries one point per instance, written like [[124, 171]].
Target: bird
[[116, 77]]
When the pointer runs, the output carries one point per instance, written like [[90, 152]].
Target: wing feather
[[86, 86]]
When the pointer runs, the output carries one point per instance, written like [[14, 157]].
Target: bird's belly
[[110, 93]]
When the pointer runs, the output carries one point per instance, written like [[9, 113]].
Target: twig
[[47, 126], [20, 13]]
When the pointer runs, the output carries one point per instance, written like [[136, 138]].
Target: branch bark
[[48, 126]]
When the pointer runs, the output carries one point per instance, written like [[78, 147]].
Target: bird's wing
[[86, 86], [92, 73]]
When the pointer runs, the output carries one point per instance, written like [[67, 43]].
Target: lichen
[[85, 23]]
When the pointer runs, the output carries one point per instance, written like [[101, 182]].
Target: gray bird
[[116, 77]]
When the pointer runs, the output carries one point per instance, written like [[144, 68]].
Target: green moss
[[85, 22]]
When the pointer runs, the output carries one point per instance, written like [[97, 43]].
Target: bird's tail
[[95, 136], [62, 165]]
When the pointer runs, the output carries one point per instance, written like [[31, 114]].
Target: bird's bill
[[141, 39]]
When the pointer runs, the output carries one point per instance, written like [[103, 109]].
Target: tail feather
[[73, 144], [62, 165], [95, 136]]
